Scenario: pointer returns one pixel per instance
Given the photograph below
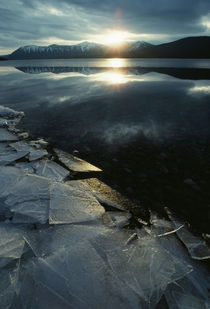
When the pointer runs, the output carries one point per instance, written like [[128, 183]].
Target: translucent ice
[[96, 190], [9, 113], [5, 135], [116, 218], [195, 245], [75, 164], [68, 205], [8, 285], [7, 155], [34, 154], [9, 176], [30, 197], [51, 170], [11, 243]]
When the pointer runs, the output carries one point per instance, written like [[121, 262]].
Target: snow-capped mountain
[[192, 47], [139, 44], [84, 49]]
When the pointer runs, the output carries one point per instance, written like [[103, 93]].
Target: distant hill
[[192, 47]]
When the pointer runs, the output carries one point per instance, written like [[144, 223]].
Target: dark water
[[146, 123]]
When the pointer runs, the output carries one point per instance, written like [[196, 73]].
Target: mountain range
[[191, 47]]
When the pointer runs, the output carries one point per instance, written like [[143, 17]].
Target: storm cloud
[[25, 22]]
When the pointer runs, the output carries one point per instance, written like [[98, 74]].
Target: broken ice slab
[[9, 285], [3, 122], [192, 292], [77, 278], [9, 176], [196, 246], [161, 227], [40, 143], [29, 197], [102, 192], [149, 268], [34, 154], [68, 205], [75, 164], [11, 243], [95, 263], [9, 113], [31, 212], [7, 155], [50, 169], [26, 166], [5, 136], [116, 219]]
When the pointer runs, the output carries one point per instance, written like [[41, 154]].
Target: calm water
[[146, 123]]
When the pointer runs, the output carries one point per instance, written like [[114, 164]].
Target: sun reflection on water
[[116, 63]]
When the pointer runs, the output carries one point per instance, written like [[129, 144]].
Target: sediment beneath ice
[[59, 248]]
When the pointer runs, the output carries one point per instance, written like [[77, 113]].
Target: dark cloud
[[38, 22]]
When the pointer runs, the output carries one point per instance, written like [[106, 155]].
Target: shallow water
[[144, 122]]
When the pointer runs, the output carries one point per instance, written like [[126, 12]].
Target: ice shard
[[11, 243], [5, 136], [116, 219], [75, 164], [196, 246], [7, 155], [30, 197], [50, 169], [9, 285], [68, 205], [34, 153], [9, 177]]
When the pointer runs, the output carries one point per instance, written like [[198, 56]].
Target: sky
[[45, 22]]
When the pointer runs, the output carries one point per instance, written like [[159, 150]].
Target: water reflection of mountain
[[187, 73]]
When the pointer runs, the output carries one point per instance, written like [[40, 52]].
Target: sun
[[114, 37]]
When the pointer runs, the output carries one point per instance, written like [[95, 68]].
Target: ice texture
[[50, 169], [75, 164], [30, 197], [9, 176], [9, 113], [195, 245], [116, 218], [68, 205], [34, 154], [93, 186], [7, 155], [5, 136], [59, 249], [9, 285], [11, 243]]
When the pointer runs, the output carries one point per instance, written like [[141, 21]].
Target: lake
[[144, 122]]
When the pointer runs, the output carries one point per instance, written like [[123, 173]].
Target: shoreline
[[69, 241]]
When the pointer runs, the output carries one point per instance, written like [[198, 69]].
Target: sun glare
[[116, 63], [114, 37]]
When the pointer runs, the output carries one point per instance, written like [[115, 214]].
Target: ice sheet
[[30, 197], [51, 170], [34, 154], [68, 205], [5, 135], [7, 155], [75, 164], [8, 285], [195, 245], [9, 176], [11, 243]]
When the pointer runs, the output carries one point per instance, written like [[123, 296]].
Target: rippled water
[[146, 123]]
